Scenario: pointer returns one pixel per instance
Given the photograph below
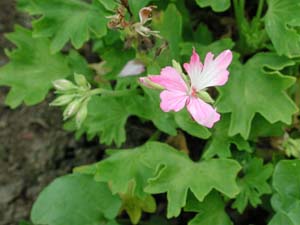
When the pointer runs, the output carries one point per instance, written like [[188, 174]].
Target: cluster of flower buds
[[75, 96]]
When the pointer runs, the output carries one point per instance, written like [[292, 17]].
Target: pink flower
[[180, 92]]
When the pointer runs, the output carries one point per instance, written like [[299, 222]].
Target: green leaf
[[282, 23], [253, 184], [257, 87], [170, 29], [31, 69], [203, 35], [165, 169], [176, 175], [106, 118], [62, 20], [216, 5], [184, 121], [210, 212], [124, 167], [286, 200], [262, 128], [220, 142], [109, 5], [202, 49], [115, 59], [79, 65], [151, 110], [75, 199]]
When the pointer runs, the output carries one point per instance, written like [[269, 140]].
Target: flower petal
[[214, 71], [193, 68], [172, 100], [132, 68], [170, 79], [202, 113]]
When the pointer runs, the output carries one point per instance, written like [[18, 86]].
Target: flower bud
[[146, 81], [72, 108], [64, 85], [62, 100], [176, 66], [81, 81], [81, 115]]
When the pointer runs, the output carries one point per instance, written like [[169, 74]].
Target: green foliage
[[210, 211], [109, 122], [282, 24], [32, 69], [220, 142], [286, 200], [75, 199], [158, 168], [216, 5], [170, 26], [257, 87], [177, 178], [151, 111], [253, 184], [73, 20], [215, 47]]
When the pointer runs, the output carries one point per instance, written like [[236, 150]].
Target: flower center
[[193, 92]]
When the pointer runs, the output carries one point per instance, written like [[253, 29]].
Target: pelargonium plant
[[223, 132]]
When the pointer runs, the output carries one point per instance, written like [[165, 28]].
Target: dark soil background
[[33, 147]]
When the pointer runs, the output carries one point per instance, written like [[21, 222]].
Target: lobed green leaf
[[32, 68]]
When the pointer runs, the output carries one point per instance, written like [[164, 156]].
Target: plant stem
[[259, 9], [110, 92], [239, 12]]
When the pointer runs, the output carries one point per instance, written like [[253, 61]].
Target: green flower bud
[[81, 115], [62, 100], [177, 66], [81, 81], [64, 85], [72, 108]]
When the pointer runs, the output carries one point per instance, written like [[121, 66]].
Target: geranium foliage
[[199, 109]]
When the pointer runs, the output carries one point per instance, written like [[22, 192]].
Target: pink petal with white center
[[173, 100], [193, 68], [202, 113], [170, 79], [214, 71]]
